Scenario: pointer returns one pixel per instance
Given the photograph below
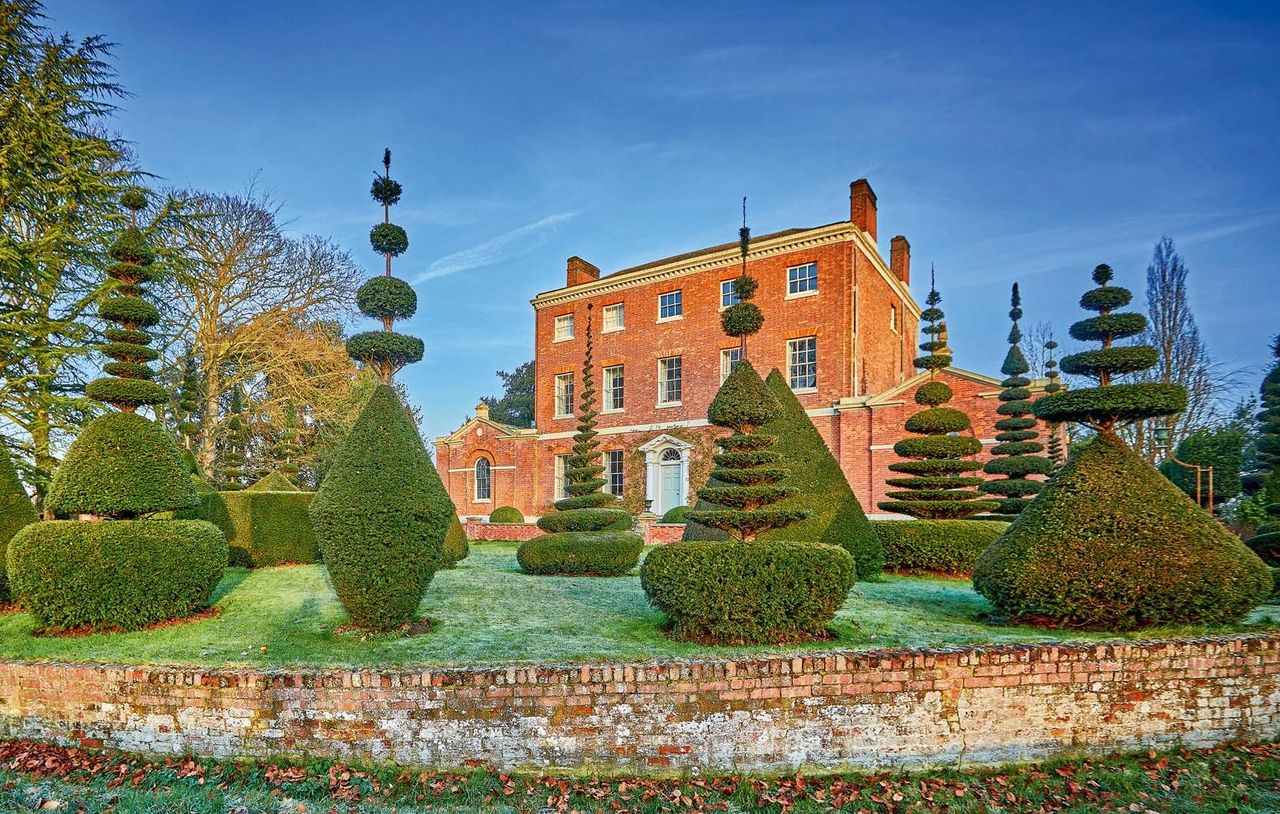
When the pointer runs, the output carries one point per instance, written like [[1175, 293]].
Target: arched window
[[670, 455], [484, 481]]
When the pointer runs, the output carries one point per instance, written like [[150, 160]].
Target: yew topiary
[[16, 511], [506, 514], [1057, 455], [1265, 541], [455, 548], [1268, 443], [273, 482]]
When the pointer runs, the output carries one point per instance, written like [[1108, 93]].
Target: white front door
[[670, 490]]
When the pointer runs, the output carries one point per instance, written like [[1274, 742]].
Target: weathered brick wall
[[842, 709]]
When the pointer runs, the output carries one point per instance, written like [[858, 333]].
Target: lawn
[[488, 613]]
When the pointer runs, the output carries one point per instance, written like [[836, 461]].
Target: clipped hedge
[[935, 546], [740, 593], [585, 520], [456, 548], [273, 482], [583, 553], [677, 515], [115, 573], [264, 528], [16, 511], [506, 514]]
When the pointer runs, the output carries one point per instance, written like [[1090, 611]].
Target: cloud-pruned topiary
[[587, 527], [386, 298], [1110, 543], [16, 511], [506, 514], [834, 515], [1018, 453], [936, 487], [381, 515]]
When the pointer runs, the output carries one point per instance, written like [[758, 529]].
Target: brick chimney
[[482, 410], [900, 259], [862, 206], [579, 271]]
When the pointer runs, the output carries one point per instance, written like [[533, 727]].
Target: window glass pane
[[670, 304], [564, 394], [802, 362], [669, 379], [613, 387], [802, 278], [728, 295], [561, 483], [564, 327], [613, 317], [728, 358], [484, 483], [613, 471]]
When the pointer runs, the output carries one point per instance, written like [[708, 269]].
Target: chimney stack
[[579, 271], [862, 206], [900, 259], [482, 411]]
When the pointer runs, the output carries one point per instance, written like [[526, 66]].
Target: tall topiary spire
[[1018, 451], [1268, 444], [386, 298], [1057, 455], [233, 453], [937, 488], [189, 400], [743, 318], [287, 449]]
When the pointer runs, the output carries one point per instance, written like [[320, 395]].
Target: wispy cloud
[[517, 242]]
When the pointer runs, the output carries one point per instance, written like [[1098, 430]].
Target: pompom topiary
[[937, 487], [16, 511], [1057, 455], [387, 298]]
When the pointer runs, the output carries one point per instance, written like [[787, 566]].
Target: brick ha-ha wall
[[825, 711]]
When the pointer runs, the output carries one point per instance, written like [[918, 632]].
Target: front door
[[669, 483]]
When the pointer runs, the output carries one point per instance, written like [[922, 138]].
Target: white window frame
[[562, 395], [608, 388], [792, 350], [793, 282], [563, 328], [664, 368], [561, 487], [678, 294], [618, 324], [726, 366], [893, 317], [728, 292], [488, 480], [610, 455]]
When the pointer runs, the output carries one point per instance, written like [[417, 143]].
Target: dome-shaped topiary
[[937, 487], [1111, 544], [387, 238], [506, 514], [16, 511], [381, 515], [387, 298], [385, 350], [1018, 453]]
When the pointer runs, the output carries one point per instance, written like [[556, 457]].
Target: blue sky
[[1008, 142]]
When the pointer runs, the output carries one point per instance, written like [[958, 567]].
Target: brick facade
[[818, 712], [862, 318]]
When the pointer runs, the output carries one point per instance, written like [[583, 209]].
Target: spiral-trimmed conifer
[[1018, 453], [233, 454], [189, 400], [386, 298], [286, 449], [937, 487], [1057, 455]]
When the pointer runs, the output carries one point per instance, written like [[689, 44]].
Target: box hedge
[[506, 514], [935, 546], [264, 528], [115, 573], [583, 553], [748, 592]]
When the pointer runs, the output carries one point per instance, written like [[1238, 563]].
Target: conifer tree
[[937, 488], [234, 454], [1057, 455], [1018, 451], [16, 511], [189, 400], [286, 449], [1268, 443]]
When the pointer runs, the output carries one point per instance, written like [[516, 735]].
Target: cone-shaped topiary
[[587, 519], [1019, 453], [1057, 455], [1268, 443], [237, 438], [286, 449], [455, 548], [273, 482], [937, 488], [189, 401], [121, 572], [1110, 542], [386, 298], [16, 511], [381, 515], [835, 516]]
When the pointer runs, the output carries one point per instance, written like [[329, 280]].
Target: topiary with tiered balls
[[1057, 455], [381, 514], [936, 487], [1110, 543], [587, 534], [119, 569], [747, 589], [1018, 453], [233, 456]]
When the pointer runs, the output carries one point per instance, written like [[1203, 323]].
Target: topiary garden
[[16, 511], [506, 514], [948, 547]]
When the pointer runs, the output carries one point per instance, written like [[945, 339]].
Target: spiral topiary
[[1057, 455], [1110, 542], [386, 298], [1018, 451], [937, 488], [233, 456], [586, 517]]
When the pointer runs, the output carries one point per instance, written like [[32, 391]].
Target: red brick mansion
[[840, 324]]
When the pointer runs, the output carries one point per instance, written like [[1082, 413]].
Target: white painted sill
[[562, 339], [664, 404], [676, 318], [803, 294], [800, 391], [613, 411], [612, 330]]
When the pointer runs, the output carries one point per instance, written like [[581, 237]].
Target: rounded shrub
[[387, 297], [456, 548], [593, 554], [585, 520], [16, 511], [388, 238], [115, 573], [678, 515], [506, 514], [935, 546], [386, 348], [264, 528], [1111, 544], [381, 516], [121, 466], [747, 592]]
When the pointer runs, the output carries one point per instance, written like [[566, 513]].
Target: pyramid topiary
[[1018, 451], [834, 515], [936, 487], [273, 482], [1057, 455], [125, 571], [16, 511], [1111, 543], [588, 534], [381, 514], [747, 589]]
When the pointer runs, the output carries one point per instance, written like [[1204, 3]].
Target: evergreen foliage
[[16, 511], [1057, 455], [936, 487], [587, 518], [1266, 539], [264, 528], [455, 548], [1018, 453], [1268, 443], [506, 514], [273, 482], [935, 546], [676, 515], [381, 515], [237, 439], [515, 406], [1219, 447], [286, 449]]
